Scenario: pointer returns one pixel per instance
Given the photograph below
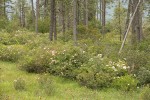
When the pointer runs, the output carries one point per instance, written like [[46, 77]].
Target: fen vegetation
[[99, 46]]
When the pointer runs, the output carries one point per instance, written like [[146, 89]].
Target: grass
[[64, 89]]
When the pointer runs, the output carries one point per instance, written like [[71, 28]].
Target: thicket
[[94, 63]]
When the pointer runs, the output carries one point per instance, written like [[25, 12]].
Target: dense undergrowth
[[94, 63]]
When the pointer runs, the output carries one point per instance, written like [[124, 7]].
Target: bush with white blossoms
[[12, 53], [95, 74], [120, 67], [38, 60], [67, 62]]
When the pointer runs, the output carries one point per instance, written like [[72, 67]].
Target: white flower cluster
[[118, 65]]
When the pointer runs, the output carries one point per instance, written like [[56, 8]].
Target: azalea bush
[[95, 73], [12, 53], [16, 37], [37, 60], [67, 61]]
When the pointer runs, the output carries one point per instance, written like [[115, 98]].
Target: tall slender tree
[[37, 16], [103, 16], [33, 12], [53, 34], [75, 22], [137, 33], [85, 12]]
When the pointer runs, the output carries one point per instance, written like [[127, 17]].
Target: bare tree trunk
[[128, 18], [52, 20], [78, 12], [75, 22], [137, 23], [68, 20], [37, 16], [131, 23], [68, 17], [85, 14], [103, 16], [62, 11], [54, 26], [100, 6], [20, 12], [4, 9], [97, 7], [120, 29], [33, 13], [23, 16], [45, 8]]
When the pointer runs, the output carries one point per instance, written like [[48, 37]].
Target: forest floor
[[64, 89]]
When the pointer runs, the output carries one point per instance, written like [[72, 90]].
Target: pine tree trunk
[[128, 18], [37, 16], [103, 16], [85, 14], [51, 20], [53, 31], [137, 23], [75, 22], [62, 11], [33, 13], [100, 6], [54, 26]]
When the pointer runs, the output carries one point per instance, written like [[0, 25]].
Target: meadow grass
[[64, 89]]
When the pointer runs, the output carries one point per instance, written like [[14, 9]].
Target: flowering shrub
[[95, 74], [120, 68], [67, 62], [18, 37], [125, 83], [12, 53], [37, 60]]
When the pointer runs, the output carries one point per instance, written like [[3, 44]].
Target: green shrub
[[12, 53], [67, 61], [46, 83], [143, 76], [17, 37], [1, 92], [87, 77], [43, 25], [4, 38], [82, 29], [145, 95], [95, 74], [125, 83], [37, 41], [136, 59], [37, 60], [19, 84], [3, 23]]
